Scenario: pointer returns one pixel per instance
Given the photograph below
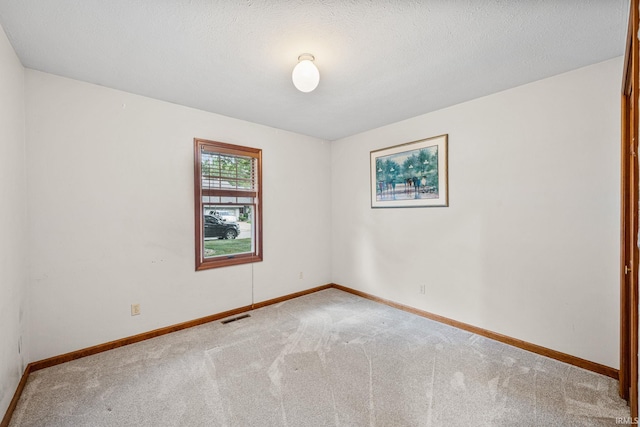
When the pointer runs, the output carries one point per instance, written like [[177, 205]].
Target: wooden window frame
[[203, 263]]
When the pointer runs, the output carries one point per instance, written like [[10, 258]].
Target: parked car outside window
[[215, 227]]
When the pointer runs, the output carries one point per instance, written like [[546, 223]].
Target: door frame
[[628, 373]]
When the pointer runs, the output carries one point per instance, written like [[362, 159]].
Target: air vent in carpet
[[233, 319]]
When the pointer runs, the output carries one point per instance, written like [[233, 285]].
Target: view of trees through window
[[227, 171]]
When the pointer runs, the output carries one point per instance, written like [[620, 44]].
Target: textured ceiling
[[380, 61]]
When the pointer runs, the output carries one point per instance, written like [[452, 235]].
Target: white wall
[[111, 202], [529, 246], [13, 203]]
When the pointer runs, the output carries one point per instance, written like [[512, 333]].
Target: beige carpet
[[325, 359]]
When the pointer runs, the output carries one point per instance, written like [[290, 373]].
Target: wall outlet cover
[[135, 309]]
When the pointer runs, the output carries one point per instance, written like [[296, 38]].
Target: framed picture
[[410, 175]]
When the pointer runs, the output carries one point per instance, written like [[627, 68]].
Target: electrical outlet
[[301, 276], [135, 309], [423, 289]]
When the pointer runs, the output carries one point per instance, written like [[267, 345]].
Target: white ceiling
[[380, 61]]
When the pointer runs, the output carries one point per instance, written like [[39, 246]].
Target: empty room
[[319, 213]]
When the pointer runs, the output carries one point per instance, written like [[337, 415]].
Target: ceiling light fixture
[[305, 75]]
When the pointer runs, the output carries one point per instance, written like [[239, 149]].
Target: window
[[228, 204]]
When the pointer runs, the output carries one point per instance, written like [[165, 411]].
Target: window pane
[[226, 172], [228, 230], [210, 199]]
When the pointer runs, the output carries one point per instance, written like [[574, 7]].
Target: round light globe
[[305, 76]]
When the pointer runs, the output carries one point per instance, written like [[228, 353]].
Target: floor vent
[[233, 319]]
